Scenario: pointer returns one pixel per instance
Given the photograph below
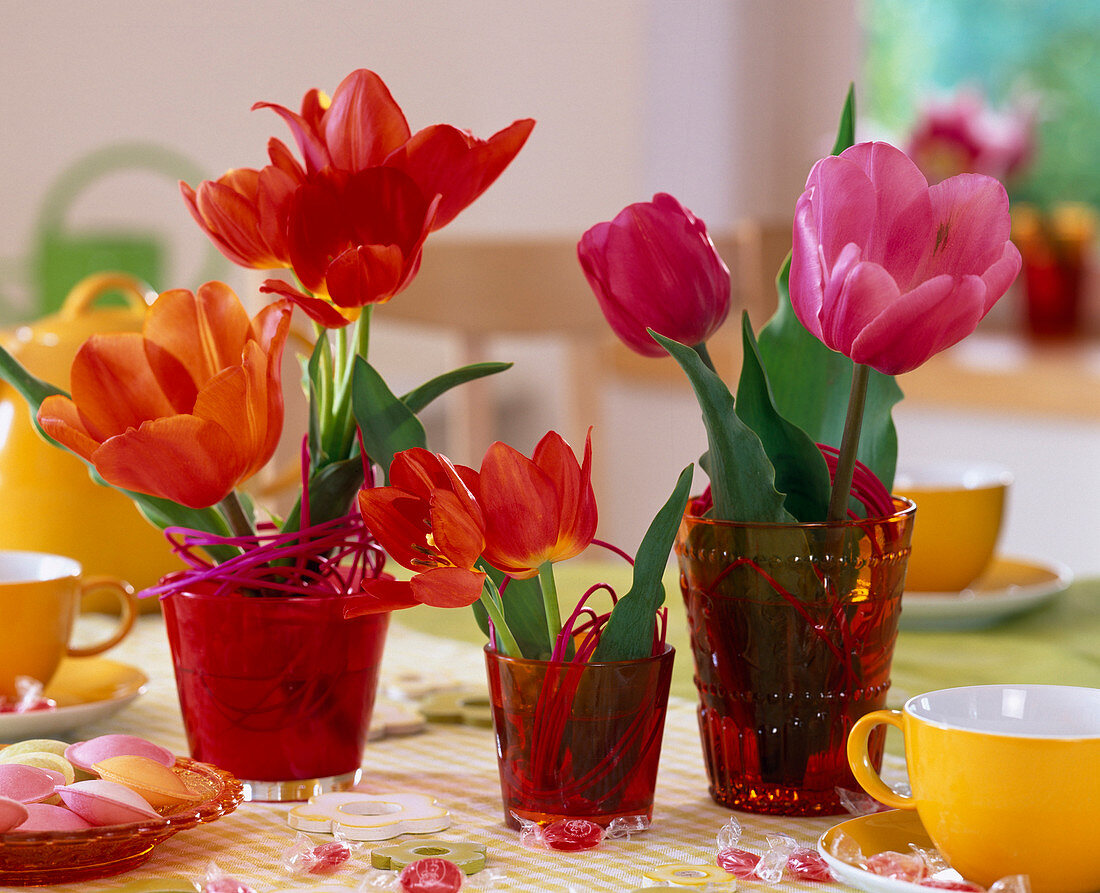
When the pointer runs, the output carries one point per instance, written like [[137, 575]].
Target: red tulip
[[186, 410], [655, 267], [363, 127], [355, 239], [428, 521], [539, 509], [887, 270], [244, 212]]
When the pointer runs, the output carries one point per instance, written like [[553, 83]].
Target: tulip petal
[[205, 330], [444, 160], [363, 124], [578, 517], [522, 510], [182, 458], [61, 420], [321, 312], [113, 385], [399, 522], [381, 596], [458, 534], [448, 587]]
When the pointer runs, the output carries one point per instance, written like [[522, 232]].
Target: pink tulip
[[654, 266], [889, 271]]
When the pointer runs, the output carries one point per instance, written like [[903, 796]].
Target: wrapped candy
[[783, 856], [571, 835], [217, 881], [306, 858], [430, 875], [738, 862]]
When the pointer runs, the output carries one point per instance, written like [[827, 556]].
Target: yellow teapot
[[50, 503]]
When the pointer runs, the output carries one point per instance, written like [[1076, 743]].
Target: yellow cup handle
[[128, 601], [860, 760]]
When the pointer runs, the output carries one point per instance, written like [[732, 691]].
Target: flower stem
[[490, 600], [849, 444], [550, 600], [704, 355], [343, 421], [235, 515]]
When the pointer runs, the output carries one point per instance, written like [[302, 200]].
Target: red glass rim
[[905, 509], [668, 652], [350, 598]]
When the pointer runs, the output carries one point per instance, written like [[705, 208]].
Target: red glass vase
[[792, 632], [276, 690], [578, 740]]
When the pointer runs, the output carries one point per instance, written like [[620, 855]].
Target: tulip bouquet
[[470, 535], [182, 414], [885, 271]]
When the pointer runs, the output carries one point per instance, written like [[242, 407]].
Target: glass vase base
[[298, 788], [516, 816], [769, 799]]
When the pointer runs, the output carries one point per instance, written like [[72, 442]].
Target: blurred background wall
[[724, 103]]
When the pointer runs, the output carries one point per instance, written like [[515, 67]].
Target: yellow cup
[[1004, 780], [960, 511], [40, 598]]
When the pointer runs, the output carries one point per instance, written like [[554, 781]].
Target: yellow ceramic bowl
[[1004, 780], [960, 510]]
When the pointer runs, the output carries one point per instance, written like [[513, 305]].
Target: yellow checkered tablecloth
[[456, 764]]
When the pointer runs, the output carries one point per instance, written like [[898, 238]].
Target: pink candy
[[572, 834], [45, 817], [899, 866], [944, 884], [807, 865], [12, 814], [740, 863], [431, 875], [85, 754], [327, 857], [106, 802], [28, 784]]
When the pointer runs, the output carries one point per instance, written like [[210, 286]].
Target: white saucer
[[880, 832], [1010, 586], [86, 689]]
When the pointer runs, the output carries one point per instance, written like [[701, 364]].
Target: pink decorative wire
[[867, 489], [327, 559]]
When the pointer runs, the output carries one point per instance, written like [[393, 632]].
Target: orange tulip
[[186, 410], [428, 521], [244, 212], [539, 509], [363, 127]]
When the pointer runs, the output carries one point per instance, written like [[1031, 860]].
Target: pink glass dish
[[62, 857]]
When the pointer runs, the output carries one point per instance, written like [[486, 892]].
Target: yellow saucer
[[880, 832], [86, 689], [1009, 586]]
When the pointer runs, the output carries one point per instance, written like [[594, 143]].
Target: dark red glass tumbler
[[578, 740], [276, 690], [792, 632]]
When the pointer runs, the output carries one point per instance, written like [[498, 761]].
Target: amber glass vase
[[578, 740], [792, 631]]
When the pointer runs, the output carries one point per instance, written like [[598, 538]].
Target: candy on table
[[899, 866], [304, 857], [772, 864], [85, 754], [808, 865], [217, 881], [468, 856], [169, 884], [576, 834], [158, 784], [684, 874], [106, 802], [359, 816], [737, 861], [431, 875], [859, 803], [12, 814]]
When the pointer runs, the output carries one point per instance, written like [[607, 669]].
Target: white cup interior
[[26, 567], [952, 475], [1029, 711]]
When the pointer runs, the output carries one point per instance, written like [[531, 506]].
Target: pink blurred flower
[[962, 133], [888, 270], [654, 266]]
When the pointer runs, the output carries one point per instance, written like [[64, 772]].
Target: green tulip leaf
[[800, 469], [811, 384], [523, 612], [742, 479], [846, 132], [419, 397], [332, 489], [387, 425], [631, 628]]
